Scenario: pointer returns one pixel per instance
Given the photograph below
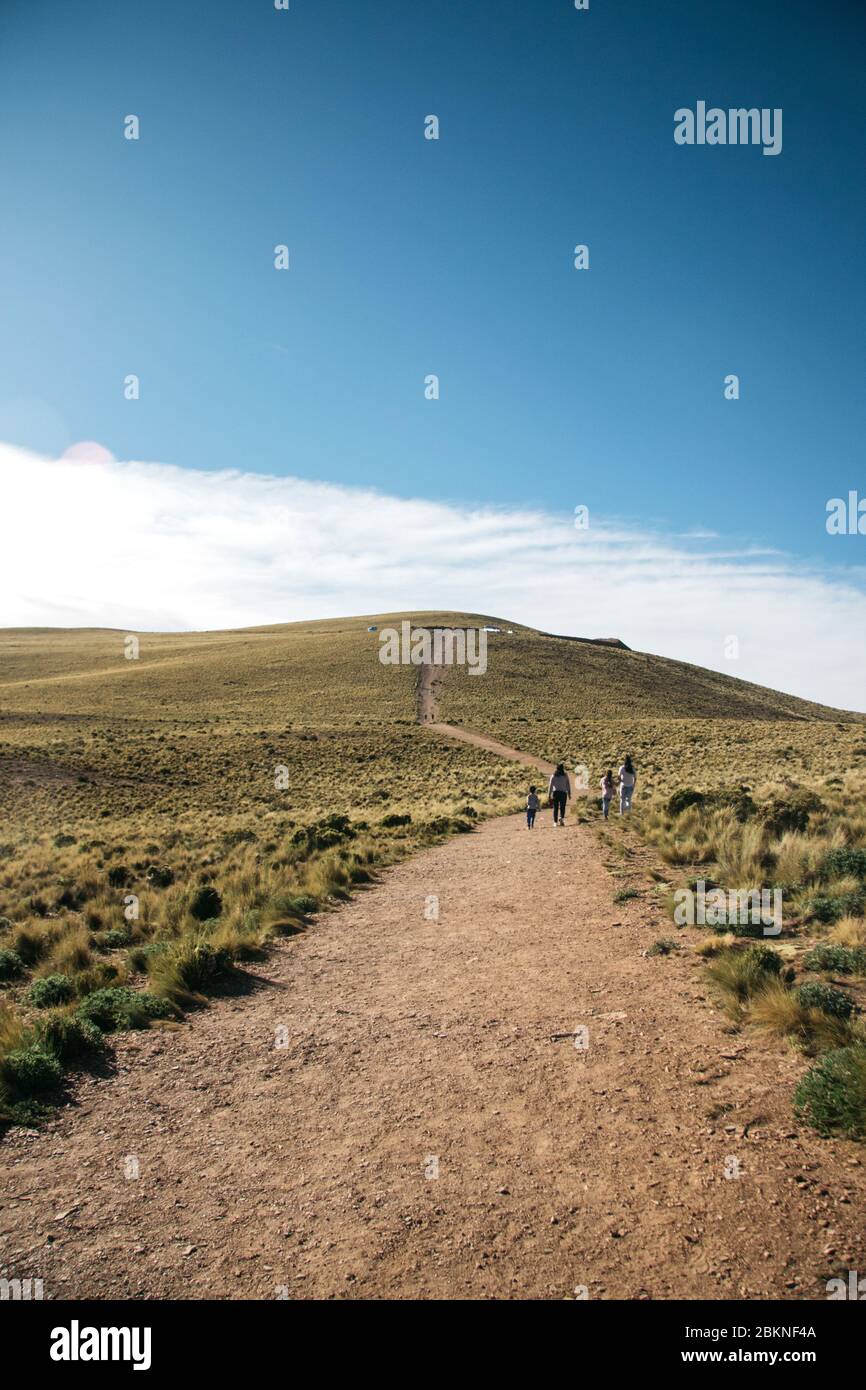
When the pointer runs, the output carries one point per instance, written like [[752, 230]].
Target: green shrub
[[113, 939], [301, 903], [683, 798], [444, 825], [830, 1001], [67, 1037], [323, 834], [158, 876], [238, 837], [50, 990], [98, 976], [663, 947], [205, 903], [339, 823], [791, 812], [837, 960], [394, 819], [29, 1071], [287, 913], [753, 930], [842, 862], [735, 799], [118, 1008], [11, 965], [832, 1096], [825, 907], [765, 959]]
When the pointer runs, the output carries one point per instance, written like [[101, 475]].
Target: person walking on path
[[559, 791], [627, 781], [532, 805], [606, 792]]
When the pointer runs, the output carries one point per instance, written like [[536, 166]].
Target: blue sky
[[413, 256], [452, 257]]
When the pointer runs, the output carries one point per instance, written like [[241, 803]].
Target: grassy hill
[[590, 703], [164, 816]]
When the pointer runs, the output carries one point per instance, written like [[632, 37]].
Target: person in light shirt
[[627, 781]]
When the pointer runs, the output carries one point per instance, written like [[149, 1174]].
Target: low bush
[[791, 812], [844, 861], [837, 960], [293, 904], [205, 903], [832, 1096], [830, 1001], [30, 1071], [50, 990], [158, 876], [118, 1008], [67, 1037], [11, 965], [113, 939], [663, 947], [832, 907], [683, 798]]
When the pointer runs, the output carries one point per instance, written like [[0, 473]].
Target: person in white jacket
[[558, 791], [627, 780]]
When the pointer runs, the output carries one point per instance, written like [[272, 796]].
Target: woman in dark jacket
[[559, 790]]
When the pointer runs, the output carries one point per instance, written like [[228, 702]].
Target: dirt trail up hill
[[430, 681], [403, 1104]]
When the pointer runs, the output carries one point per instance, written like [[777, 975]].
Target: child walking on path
[[627, 780], [559, 791], [606, 792], [532, 805]]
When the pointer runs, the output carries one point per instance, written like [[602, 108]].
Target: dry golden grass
[[713, 945], [276, 767], [777, 1010], [849, 931]]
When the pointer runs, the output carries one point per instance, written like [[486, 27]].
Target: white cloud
[[88, 541]]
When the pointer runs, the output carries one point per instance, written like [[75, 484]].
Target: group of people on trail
[[559, 792]]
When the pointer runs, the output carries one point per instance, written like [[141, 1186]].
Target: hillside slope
[[332, 668], [202, 718]]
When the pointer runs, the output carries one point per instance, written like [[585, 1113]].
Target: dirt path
[[397, 1109], [430, 682]]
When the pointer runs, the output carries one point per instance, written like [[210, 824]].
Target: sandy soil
[[397, 1107]]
